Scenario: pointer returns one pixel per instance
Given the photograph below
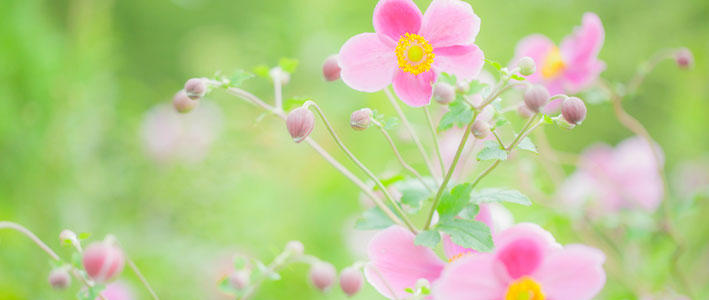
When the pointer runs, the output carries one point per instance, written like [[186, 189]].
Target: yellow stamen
[[524, 288], [553, 63], [414, 54], [457, 256]]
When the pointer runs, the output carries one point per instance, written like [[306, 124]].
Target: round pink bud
[[526, 66], [331, 68], [684, 58], [300, 123], [480, 129], [523, 111], [322, 275], [444, 93], [295, 247], [183, 103], [361, 119], [67, 235], [195, 88], [103, 261], [59, 278], [535, 97], [350, 281], [573, 110], [239, 279]]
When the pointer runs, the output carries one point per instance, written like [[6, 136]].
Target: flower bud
[[350, 281], [361, 119], [462, 87], [444, 93], [103, 261], [182, 103], [195, 88], [59, 278], [322, 275], [480, 129], [278, 75], [295, 247], [573, 110], [239, 279], [535, 97], [300, 123], [523, 111], [331, 69], [684, 58], [67, 236], [526, 66]]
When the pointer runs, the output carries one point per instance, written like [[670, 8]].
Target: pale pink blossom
[[527, 264], [569, 68], [612, 179], [117, 291], [409, 49]]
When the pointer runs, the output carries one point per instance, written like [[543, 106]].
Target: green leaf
[[288, 64], [452, 203], [239, 77], [413, 192], [391, 180], [425, 290], [428, 238], [492, 151], [409, 290], [293, 103], [262, 71], [448, 78], [468, 233], [517, 77], [526, 144], [494, 64], [501, 121], [84, 235], [475, 87], [459, 114], [373, 218], [470, 211], [498, 195], [547, 119]]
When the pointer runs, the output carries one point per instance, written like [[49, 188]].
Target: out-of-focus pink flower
[[409, 49], [527, 264], [397, 263], [170, 136], [571, 67], [117, 291], [616, 179]]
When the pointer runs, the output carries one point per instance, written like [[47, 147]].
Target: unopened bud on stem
[[526, 66], [279, 75], [322, 275], [67, 236], [573, 110], [300, 123], [239, 279], [535, 97], [350, 280], [480, 129], [59, 278], [295, 247], [103, 261], [331, 69], [195, 88], [684, 58], [361, 119], [444, 93], [182, 103]]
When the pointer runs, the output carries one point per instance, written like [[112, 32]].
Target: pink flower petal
[[398, 263], [368, 65], [583, 45], [394, 18], [472, 277], [452, 249], [522, 247], [537, 47], [450, 23], [574, 273], [414, 90], [465, 62]]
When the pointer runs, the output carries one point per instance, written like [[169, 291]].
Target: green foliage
[[494, 64], [428, 238], [498, 195], [448, 78], [262, 71], [459, 114], [288, 64], [492, 151], [527, 144], [373, 218], [239, 77], [413, 193], [452, 203], [468, 233]]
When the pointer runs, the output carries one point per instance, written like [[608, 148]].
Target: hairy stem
[[434, 136]]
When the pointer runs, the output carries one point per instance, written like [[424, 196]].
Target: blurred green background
[[78, 77]]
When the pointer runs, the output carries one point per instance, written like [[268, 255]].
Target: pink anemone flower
[[396, 263], [571, 67], [409, 49], [527, 264]]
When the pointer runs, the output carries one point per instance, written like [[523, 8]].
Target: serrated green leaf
[[373, 218], [526, 144], [459, 114], [470, 211], [492, 151], [239, 77], [262, 71], [476, 87], [467, 233], [428, 238], [499, 195], [288, 64], [452, 203], [448, 78], [413, 193]]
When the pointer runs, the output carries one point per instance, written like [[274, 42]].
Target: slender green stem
[[399, 157], [142, 278], [411, 130], [434, 136], [359, 164]]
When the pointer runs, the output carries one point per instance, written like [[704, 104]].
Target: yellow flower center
[[524, 288], [414, 54], [553, 63], [457, 256]]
